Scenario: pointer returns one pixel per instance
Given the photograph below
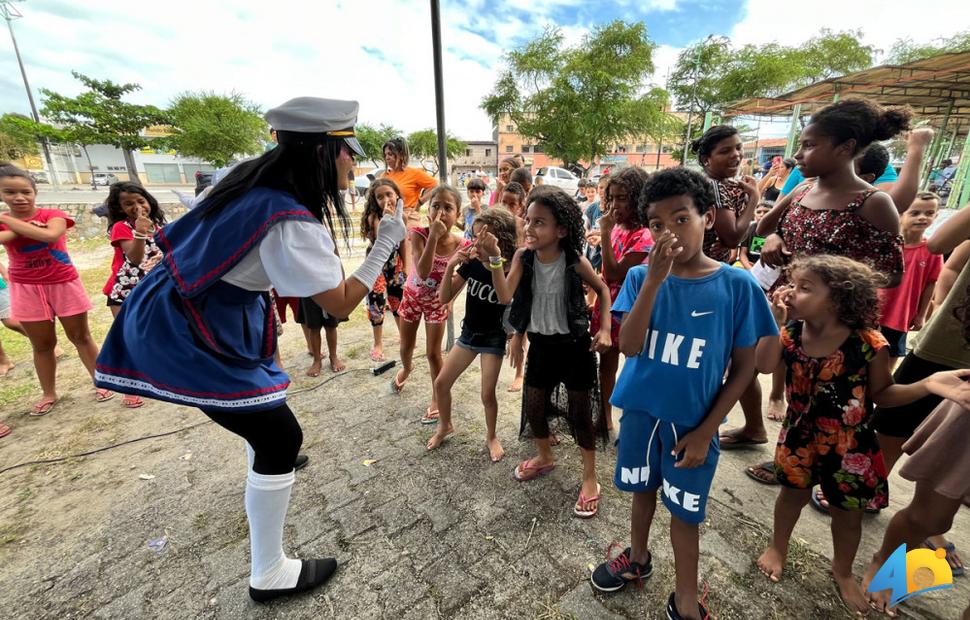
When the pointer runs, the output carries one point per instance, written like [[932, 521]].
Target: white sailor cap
[[313, 118]]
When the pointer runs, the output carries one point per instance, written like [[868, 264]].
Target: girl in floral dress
[[836, 367]]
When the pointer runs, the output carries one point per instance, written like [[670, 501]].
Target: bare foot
[[516, 385], [5, 367], [771, 563], [58, 351], [314, 370], [337, 365], [439, 437], [495, 450], [776, 409], [877, 600], [852, 595]]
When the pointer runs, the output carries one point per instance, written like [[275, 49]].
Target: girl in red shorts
[[836, 367], [43, 282], [431, 249]]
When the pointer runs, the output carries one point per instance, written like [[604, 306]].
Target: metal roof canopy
[[937, 88]]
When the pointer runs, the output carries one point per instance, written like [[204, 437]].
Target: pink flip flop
[[526, 471], [587, 514]]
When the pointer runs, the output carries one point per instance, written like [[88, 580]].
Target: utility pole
[[10, 13]]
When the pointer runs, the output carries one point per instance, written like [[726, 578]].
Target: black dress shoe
[[301, 461], [312, 574]]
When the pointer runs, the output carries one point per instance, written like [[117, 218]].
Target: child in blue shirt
[[686, 320]]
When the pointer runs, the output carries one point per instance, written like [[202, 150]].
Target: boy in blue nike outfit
[[686, 319]]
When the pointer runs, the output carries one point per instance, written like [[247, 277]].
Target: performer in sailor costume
[[198, 330]]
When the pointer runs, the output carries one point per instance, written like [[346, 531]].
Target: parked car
[[202, 181], [40, 176], [560, 177], [103, 178]]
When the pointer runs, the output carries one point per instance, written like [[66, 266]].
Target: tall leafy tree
[[905, 50], [713, 73], [579, 101], [102, 116], [372, 139], [18, 137], [216, 128], [423, 144]]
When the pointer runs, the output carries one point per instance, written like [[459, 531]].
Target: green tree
[[710, 74], [905, 50], [423, 144], [216, 128], [577, 102], [372, 139], [100, 115], [17, 137]]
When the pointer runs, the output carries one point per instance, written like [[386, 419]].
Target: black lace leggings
[[539, 405]]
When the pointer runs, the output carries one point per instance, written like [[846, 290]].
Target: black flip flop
[[817, 503], [766, 466], [312, 574], [740, 442]]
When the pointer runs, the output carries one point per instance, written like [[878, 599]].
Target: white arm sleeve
[[299, 259]]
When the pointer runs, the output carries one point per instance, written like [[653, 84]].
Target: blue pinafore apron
[[185, 336]]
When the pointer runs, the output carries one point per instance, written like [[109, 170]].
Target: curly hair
[[632, 180], [566, 212], [514, 187], [873, 160], [117, 214], [501, 223], [371, 207], [706, 144], [853, 287], [861, 120], [676, 182]]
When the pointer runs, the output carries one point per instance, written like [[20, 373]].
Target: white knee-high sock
[[267, 498], [250, 455]]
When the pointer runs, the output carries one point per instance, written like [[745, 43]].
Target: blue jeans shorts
[[644, 464]]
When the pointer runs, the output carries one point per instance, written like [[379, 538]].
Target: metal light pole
[[693, 97], [439, 101], [10, 13]]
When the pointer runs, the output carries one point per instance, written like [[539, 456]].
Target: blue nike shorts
[[644, 464]]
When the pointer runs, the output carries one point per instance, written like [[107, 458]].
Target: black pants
[[274, 435]]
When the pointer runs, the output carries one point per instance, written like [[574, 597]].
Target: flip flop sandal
[[587, 514], [102, 395], [4, 430], [949, 547], [767, 468], [430, 416], [738, 442], [529, 472], [376, 357], [132, 402], [396, 388], [42, 408], [816, 501]]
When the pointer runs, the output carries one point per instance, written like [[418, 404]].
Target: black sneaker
[[613, 575], [673, 614], [312, 574], [300, 462]]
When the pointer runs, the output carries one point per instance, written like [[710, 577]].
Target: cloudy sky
[[379, 51]]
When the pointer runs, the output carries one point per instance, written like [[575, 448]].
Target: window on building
[[525, 148], [621, 148], [468, 152], [508, 149], [641, 148], [509, 128], [537, 148], [488, 152]]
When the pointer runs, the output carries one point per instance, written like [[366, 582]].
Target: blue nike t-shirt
[[695, 326]]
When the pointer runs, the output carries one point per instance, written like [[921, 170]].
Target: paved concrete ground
[[418, 535]]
